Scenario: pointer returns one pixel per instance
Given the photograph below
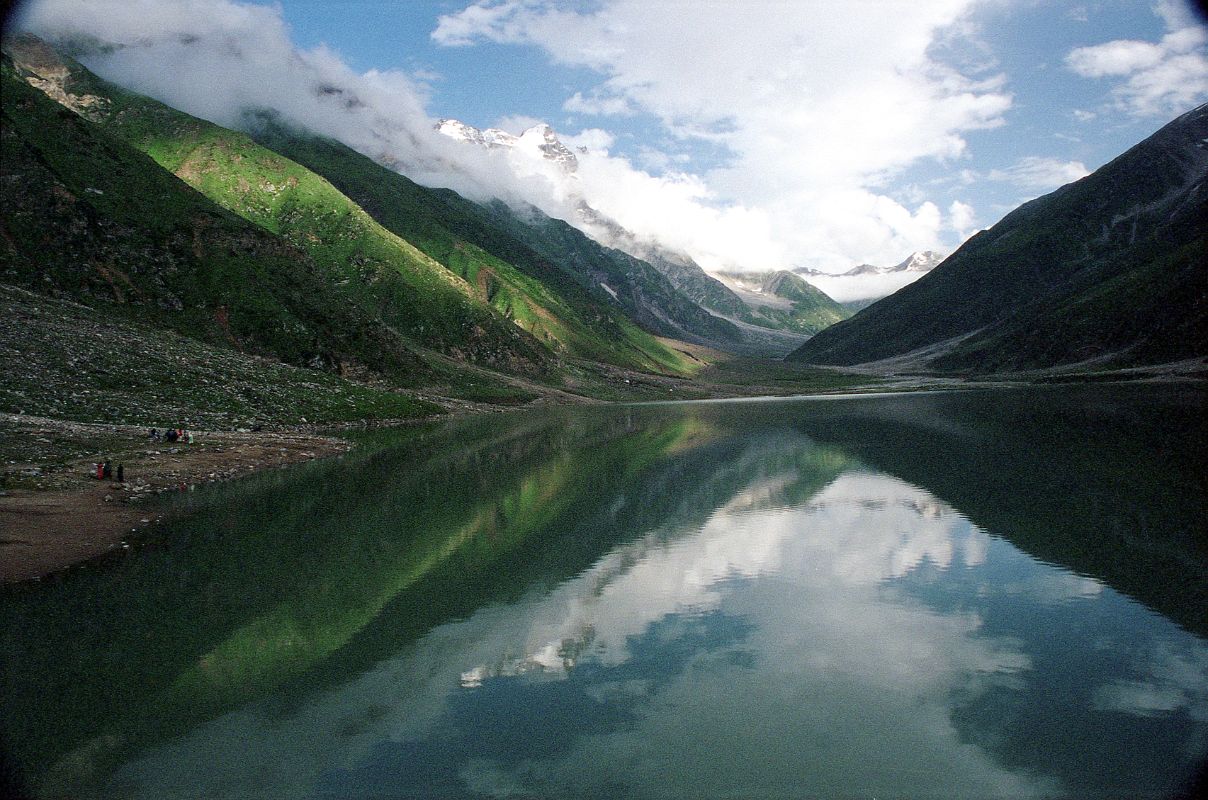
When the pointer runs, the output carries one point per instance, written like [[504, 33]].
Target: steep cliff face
[[1108, 270]]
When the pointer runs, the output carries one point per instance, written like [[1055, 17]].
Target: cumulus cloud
[[835, 104], [1159, 78], [1040, 174]]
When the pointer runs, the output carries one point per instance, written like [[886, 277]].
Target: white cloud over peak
[[841, 97], [1160, 78]]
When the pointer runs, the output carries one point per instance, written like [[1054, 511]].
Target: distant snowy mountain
[[867, 282], [539, 140], [921, 262], [917, 262]]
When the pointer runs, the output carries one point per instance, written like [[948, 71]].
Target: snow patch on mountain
[[536, 143]]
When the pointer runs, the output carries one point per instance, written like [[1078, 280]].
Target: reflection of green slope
[[667, 482], [303, 630], [339, 543]]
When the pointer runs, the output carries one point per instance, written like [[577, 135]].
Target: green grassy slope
[[505, 272], [641, 290], [813, 310], [1109, 268], [373, 268], [87, 217]]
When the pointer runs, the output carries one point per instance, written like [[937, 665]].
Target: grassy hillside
[[87, 217], [525, 287], [373, 269], [811, 309], [1109, 269]]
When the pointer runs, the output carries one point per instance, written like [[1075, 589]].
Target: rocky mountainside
[[553, 301], [1108, 270], [684, 274], [787, 300]]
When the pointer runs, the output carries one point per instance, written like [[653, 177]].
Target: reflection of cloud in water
[[1171, 680], [854, 678], [835, 678]]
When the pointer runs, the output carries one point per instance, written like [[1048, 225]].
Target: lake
[[969, 594]]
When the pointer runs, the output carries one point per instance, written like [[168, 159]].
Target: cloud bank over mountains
[[816, 107]]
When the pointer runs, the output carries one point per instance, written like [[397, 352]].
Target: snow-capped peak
[[540, 141], [925, 261], [490, 138]]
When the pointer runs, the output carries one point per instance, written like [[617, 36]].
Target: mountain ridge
[[1108, 269]]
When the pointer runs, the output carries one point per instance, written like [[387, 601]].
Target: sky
[[750, 135]]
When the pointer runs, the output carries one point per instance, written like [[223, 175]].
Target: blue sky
[[491, 83], [752, 135]]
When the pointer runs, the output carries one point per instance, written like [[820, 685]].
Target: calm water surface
[[983, 594]]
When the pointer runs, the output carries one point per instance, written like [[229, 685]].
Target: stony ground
[[67, 361]]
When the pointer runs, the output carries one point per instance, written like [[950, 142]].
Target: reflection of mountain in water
[[1034, 467], [575, 571]]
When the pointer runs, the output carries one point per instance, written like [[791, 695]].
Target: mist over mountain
[[865, 282], [219, 58]]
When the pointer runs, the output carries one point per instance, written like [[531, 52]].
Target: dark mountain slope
[[1110, 268], [87, 217]]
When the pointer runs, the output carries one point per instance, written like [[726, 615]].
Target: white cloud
[[841, 97], [961, 218], [598, 105], [1040, 174], [1160, 78]]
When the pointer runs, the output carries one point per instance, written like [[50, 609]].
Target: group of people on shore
[[171, 435], [104, 469]]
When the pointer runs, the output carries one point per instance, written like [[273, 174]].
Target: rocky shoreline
[[54, 512]]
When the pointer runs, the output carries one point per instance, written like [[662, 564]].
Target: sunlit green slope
[[372, 267], [88, 218], [541, 296]]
